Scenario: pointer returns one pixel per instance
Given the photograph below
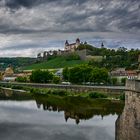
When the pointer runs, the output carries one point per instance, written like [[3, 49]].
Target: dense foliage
[[84, 73], [16, 62], [39, 76], [56, 80], [21, 79], [117, 58], [96, 95]]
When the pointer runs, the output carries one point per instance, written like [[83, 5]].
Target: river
[[67, 118]]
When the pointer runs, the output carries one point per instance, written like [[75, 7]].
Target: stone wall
[[128, 123], [133, 85]]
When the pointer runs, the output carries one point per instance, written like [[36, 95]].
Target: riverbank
[[60, 92]]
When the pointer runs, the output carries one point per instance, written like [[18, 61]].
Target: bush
[[114, 81], [17, 87], [96, 95], [21, 79], [56, 80], [48, 92], [58, 92], [122, 97], [123, 80]]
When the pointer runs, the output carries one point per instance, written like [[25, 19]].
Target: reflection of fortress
[[76, 113], [128, 124], [67, 114]]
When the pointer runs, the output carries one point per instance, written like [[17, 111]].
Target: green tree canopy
[[39, 76], [84, 73]]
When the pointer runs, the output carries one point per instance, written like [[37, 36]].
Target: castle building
[[73, 46]]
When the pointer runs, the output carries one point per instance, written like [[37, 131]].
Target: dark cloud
[[33, 18], [22, 3], [74, 16], [30, 3]]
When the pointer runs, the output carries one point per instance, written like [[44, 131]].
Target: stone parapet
[[133, 85]]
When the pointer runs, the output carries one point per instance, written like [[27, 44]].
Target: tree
[[56, 79], [99, 75], [114, 81], [65, 73], [123, 80], [80, 74], [85, 73], [39, 76]]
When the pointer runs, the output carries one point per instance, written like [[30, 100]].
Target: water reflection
[[79, 108], [76, 108], [128, 123], [38, 124], [21, 119]]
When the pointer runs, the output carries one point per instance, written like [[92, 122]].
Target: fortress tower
[[71, 47]]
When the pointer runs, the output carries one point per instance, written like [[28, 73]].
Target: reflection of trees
[[128, 123], [78, 109]]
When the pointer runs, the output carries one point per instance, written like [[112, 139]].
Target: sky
[[28, 27]]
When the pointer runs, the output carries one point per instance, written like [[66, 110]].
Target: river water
[[62, 119]]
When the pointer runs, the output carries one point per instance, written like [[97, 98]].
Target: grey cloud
[[73, 16], [15, 4], [21, 3], [45, 19], [22, 47]]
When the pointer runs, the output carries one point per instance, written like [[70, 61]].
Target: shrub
[[56, 80], [17, 87], [96, 95], [21, 79], [123, 80], [122, 97], [114, 81], [58, 92]]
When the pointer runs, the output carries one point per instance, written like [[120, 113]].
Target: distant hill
[[57, 62], [84, 54], [16, 62]]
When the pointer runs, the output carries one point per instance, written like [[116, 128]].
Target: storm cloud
[[24, 21]]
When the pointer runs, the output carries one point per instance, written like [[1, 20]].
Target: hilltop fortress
[[68, 48], [73, 46]]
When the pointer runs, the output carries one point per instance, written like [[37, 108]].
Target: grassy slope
[[59, 62]]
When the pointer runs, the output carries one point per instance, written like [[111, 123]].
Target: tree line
[[83, 74]]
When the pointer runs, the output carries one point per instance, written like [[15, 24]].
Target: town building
[[9, 74], [121, 73]]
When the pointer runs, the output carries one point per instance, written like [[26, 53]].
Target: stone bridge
[[128, 123], [130, 86]]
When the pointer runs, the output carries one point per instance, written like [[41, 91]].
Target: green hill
[[15, 62], [58, 62]]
